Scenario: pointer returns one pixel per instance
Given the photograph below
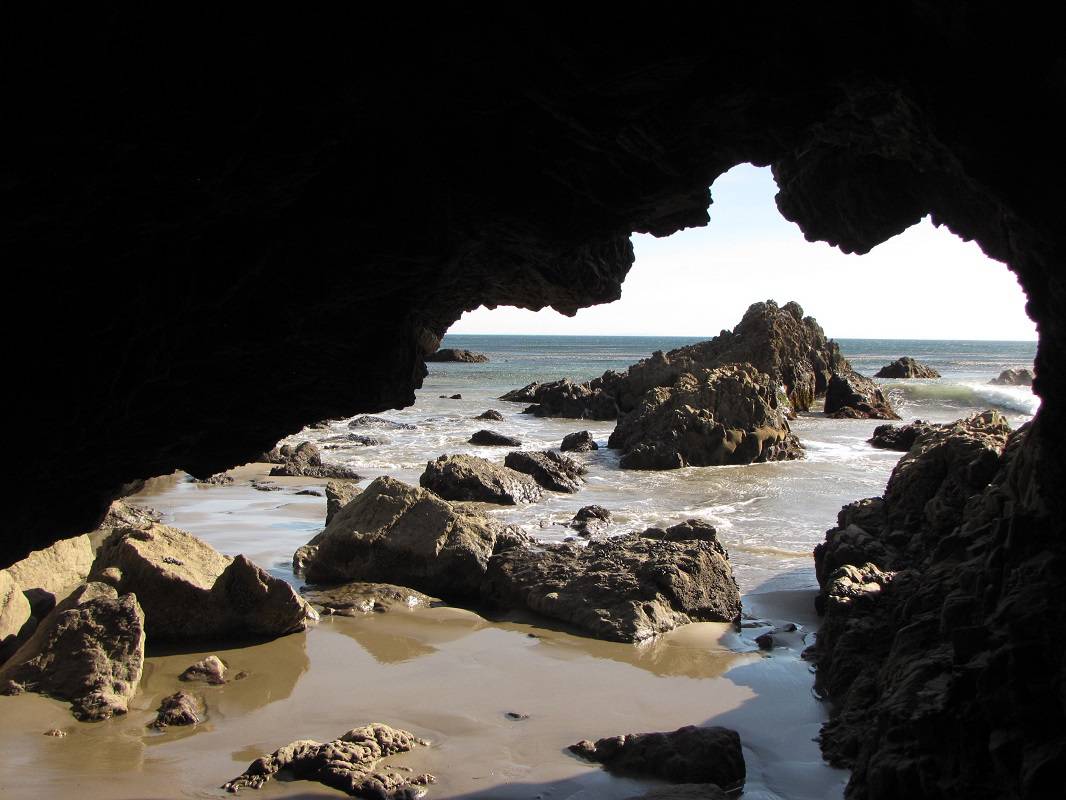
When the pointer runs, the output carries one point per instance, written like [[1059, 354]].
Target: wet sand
[[447, 674]]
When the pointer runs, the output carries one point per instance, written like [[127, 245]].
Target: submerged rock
[[379, 423], [347, 764], [906, 367], [729, 415], [854, 396], [191, 591], [687, 755], [180, 708], [463, 477], [453, 354], [492, 414], [338, 495], [580, 442], [899, 437], [88, 651], [1014, 377], [493, 439], [209, 670], [623, 589], [548, 468], [361, 597]]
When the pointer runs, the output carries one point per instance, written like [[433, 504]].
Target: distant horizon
[[711, 336]]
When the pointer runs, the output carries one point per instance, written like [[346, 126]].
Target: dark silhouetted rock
[[729, 415], [548, 468], [452, 354], [854, 396], [493, 439], [338, 495], [899, 437], [180, 708], [346, 764], [906, 367], [491, 414], [580, 442], [379, 424], [209, 670], [463, 477], [687, 755], [1014, 377]]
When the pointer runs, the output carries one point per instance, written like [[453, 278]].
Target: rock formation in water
[[551, 470], [465, 477], [854, 396], [1014, 377], [453, 354], [899, 437], [579, 442], [906, 367], [305, 461], [488, 438]]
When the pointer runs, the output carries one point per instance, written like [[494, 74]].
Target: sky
[[925, 283]]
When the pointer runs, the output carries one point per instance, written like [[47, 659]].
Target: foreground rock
[[208, 670], [854, 396], [463, 477], [624, 589], [14, 615], [191, 591], [305, 461], [729, 415], [338, 495], [906, 367], [548, 468], [358, 598], [400, 534], [493, 439], [453, 354], [180, 708], [687, 755], [899, 437], [1014, 377], [580, 442], [346, 764], [88, 651]]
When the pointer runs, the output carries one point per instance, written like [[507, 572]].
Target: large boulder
[[88, 651], [50, 574], [906, 367], [400, 534], [729, 415], [854, 396], [623, 589], [14, 614], [548, 468], [463, 477], [489, 438], [191, 591], [454, 354], [687, 755], [1014, 377], [579, 442]]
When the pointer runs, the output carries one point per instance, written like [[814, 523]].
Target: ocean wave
[[1019, 399]]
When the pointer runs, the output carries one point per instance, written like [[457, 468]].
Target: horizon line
[[707, 338]]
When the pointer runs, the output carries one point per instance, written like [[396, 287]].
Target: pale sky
[[925, 283]]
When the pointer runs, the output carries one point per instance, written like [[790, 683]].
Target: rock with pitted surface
[[180, 708], [209, 670], [899, 437], [730, 415], [189, 590], [400, 534], [463, 477], [89, 651], [687, 755], [548, 468], [492, 439], [338, 495], [346, 764], [906, 367], [854, 396], [579, 442], [623, 589], [461, 356], [491, 414], [1014, 377], [358, 598]]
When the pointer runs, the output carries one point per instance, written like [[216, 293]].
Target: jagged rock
[[14, 615], [360, 597], [347, 764], [906, 367], [191, 591], [180, 708], [492, 414], [89, 651], [463, 477], [305, 461], [493, 439], [400, 534], [624, 589], [687, 755], [548, 468], [453, 354], [580, 442], [209, 670], [590, 520], [854, 396], [1014, 377], [899, 437], [729, 415], [356, 439], [379, 423], [338, 495]]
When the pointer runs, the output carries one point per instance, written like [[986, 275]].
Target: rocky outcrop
[[338, 495], [454, 354], [208, 670], [854, 396], [579, 442], [346, 764], [906, 367], [190, 591], [358, 598], [1014, 377], [730, 415], [491, 414], [89, 651], [623, 589], [305, 461], [492, 439], [687, 755], [180, 708], [400, 534], [548, 468], [899, 437], [464, 477], [920, 642]]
